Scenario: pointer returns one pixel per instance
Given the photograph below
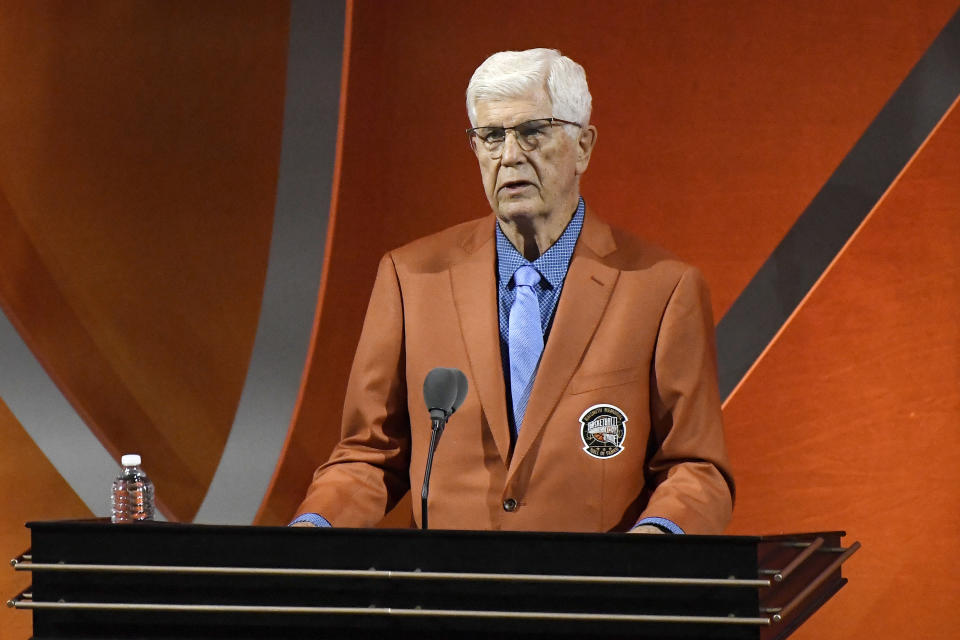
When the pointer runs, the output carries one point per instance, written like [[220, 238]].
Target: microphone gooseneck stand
[[436, 428]]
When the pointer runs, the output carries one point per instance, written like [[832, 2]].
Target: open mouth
[[515, 185]]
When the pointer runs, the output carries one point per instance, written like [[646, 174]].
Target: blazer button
[[509, 504]]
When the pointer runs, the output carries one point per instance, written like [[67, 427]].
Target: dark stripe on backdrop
[[840, 207]]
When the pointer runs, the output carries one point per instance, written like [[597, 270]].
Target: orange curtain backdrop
[[718, 124], [138, 173], [851, 418], [138, 165]]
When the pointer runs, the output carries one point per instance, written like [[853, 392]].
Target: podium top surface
[[232, 529], [451, 534]]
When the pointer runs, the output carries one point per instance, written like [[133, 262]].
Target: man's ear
[[585, 144]]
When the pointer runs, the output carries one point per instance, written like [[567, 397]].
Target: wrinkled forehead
[[508, 111]]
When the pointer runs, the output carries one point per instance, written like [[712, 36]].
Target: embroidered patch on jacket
[[603, 428]]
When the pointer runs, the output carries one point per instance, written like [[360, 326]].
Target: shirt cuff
[[661, 523], [315, 519]]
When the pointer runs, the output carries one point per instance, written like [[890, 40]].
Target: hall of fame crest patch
[[603, 428]]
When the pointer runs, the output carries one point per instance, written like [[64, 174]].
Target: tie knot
[[526, 276]]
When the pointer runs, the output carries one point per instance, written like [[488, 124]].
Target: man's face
[[543, 182]]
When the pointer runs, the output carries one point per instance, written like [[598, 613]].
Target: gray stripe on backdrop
[[841, 206], [54, 425], [296, 260]]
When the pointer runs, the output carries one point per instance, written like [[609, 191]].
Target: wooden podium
[[93, 579]]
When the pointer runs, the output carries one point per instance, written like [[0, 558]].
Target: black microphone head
[[440, 390], [461, 388]]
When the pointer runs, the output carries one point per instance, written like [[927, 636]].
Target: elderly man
[[589, 353]]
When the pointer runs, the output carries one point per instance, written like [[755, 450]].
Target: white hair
[[511, 74]]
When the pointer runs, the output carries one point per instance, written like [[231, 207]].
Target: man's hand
[[303, 524], [646, 528]]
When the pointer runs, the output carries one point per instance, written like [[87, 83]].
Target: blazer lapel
[[475, 296], [583, 300]]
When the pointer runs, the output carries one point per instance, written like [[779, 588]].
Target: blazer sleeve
[[688, 469], [367, 472]]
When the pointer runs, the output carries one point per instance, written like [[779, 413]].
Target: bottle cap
[[130, 460]]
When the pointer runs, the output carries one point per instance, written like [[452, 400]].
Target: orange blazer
[[633, 331]]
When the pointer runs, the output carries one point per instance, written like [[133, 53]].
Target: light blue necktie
[[525, 340]]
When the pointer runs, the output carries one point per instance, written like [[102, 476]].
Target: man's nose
[[512, 153]]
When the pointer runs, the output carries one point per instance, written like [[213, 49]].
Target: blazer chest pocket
[[583, 382]]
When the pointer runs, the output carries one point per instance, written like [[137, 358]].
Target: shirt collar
[[552, 263]]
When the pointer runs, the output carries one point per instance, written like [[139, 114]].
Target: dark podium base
[[155, 580]]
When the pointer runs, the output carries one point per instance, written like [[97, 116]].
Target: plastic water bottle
[[132, 496]]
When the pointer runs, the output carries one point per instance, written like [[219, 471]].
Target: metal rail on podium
[[92, 579]]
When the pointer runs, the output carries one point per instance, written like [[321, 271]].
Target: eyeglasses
[[529, 134]]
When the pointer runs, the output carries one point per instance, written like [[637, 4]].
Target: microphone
[[440, 392], [444, 390]]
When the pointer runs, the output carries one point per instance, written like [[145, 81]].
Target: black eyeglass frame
[[551, 122]]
